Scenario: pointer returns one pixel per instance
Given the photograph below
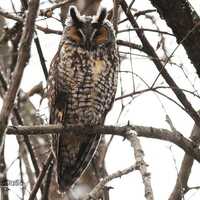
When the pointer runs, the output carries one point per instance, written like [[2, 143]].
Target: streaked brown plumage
[[81, 89]]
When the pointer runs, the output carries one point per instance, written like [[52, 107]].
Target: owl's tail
[[73, 157], [72, 153]]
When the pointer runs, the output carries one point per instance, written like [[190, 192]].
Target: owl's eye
[[74, 34], [101, 36]]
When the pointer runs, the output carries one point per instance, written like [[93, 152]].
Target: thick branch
[[149, 132], [23, 57], [181, 186], [184, 23]]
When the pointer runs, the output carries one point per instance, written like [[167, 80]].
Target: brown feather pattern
[[81, 89]]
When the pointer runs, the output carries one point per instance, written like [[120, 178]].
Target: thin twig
[[3, 82], [146, 29], [20, 19], [10, 16], [155, 89], [47, 182], [28, 143], [98, 189], [41, 56], [48, 30], [130, 5], [37, 89], [144, 12], [40, 177], [115, 14], [49, 11], [21, 176], [130, 45]]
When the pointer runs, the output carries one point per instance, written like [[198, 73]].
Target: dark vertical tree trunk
[[185, 23]]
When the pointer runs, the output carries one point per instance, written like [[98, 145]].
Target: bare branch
[[3, 177], [141, 164], [181, 185], [47, 182], [41, 56], [130, 5], [49, 11], [48, 30], [146, 29], [130, 45], [17, 120], [24, 4], [96, 192], [20, 19], [22, 60], [161, 68], [144, 12], [37, 89], [184, 22], [10, 16], [163, 134], [115, 14], [40, 177]]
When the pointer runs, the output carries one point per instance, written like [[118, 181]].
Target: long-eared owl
[[81, 89]]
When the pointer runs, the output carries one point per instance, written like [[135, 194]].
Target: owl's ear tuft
[[102, 15], [99, 18], [75, 15]]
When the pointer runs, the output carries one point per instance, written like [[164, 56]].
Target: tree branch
[[40, 177], [161, 68], [115, 14], [98, 189], [20, 19], [22, 60], [182, 19], [49, 11], [163, 134], [142, 166], [17, 120], [130, 45], [10, 16], [181, 186]]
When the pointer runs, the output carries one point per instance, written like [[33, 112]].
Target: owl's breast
[[90, 81]]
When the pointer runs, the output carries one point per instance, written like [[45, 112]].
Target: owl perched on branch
[[81, 89]]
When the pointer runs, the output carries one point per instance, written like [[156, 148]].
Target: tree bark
[[184, 23]]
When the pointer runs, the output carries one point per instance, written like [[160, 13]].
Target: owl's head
[[89, 32]]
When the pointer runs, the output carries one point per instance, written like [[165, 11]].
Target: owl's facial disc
[[88, 32]]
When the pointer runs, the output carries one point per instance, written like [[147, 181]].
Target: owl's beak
[[88, 45], [89, 41]]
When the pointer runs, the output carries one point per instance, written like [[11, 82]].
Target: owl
[[81, 89]]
